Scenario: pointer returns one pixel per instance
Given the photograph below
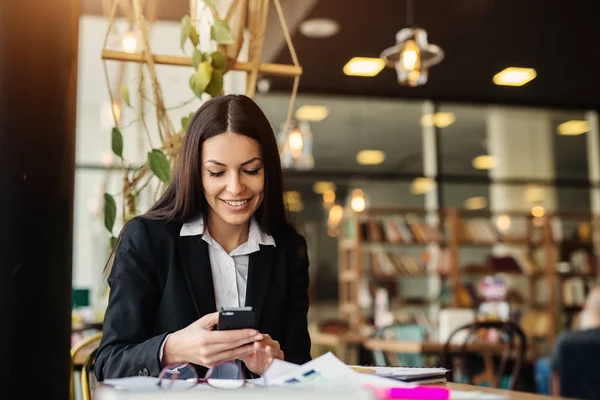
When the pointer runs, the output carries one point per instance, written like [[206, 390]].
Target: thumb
[[209, 320]]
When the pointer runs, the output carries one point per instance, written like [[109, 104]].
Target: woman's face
[[232, 176]]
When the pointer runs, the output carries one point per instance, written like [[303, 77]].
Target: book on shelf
[[477, 230], [517, 261], [382, 263], [396, 229], [573, 292]]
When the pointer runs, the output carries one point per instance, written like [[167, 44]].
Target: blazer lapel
[[259, 274], [196, 267]]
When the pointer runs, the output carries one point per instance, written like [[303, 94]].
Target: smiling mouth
[[236, 203]]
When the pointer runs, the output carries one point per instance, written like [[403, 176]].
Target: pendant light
[[412, 56], [296, 145]]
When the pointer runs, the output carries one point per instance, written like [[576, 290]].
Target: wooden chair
[[513, 350], [89, 346]]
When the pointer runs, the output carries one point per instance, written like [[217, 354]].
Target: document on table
[[322, 371], [406, 374]]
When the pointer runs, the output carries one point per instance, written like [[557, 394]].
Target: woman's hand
[[199, 344], [263, 354]]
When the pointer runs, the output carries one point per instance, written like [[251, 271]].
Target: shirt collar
[[256, 236]]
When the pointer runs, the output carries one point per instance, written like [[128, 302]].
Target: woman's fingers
[[231, 354], [270, 347], [274, 352], [236, 335], [220, 347]]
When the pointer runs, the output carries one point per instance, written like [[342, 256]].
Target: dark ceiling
[[480, 38]]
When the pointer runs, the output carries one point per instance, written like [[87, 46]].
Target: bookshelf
[[382, 246], [572, 245]]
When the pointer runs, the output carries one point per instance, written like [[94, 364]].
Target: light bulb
[[503, 222], [329, 197], [129, 43], [358, 202], [296, 142], [537, 211], [335, 215], [410, 56]]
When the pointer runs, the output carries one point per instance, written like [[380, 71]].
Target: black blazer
[[161, 282]]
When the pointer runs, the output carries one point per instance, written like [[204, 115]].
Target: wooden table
[[108, 392], [510, 394]]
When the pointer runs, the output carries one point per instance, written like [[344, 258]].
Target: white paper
[[326, 370]]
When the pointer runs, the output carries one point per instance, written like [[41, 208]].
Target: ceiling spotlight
[[319, 28], [439, 119], [370, 157], [484, 162], [513, 76], [573, 127], [475, 203], [312, 113], [364, 66], [422, 185]]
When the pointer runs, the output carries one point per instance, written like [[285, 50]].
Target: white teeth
[[236, 203]]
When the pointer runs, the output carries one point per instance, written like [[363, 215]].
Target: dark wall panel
[[38, 86]]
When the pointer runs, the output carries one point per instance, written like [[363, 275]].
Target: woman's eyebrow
[[251, 160], [242, 164]]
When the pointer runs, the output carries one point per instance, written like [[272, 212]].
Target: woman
[[218, 237]]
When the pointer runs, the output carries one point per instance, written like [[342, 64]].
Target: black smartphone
[[236, 318]]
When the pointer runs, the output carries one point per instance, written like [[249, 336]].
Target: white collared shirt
[[229, 270]]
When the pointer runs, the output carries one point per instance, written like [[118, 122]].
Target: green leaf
[[220, 32], [211, 4], [159, 165], [219, 61], [215, 87], [110, 212], [197, 58], [194, 37], [113, 242], [186, 29], [200, 80], [185, 122], [117, 142], [125, 95]]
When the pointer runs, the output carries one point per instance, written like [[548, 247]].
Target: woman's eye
[[253, 171], [217, 174]]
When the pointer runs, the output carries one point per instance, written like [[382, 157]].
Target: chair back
[[407, 332], [575, 359], [512, 341], [86, 371], [83, 354]]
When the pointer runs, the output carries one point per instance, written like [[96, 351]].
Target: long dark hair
[[184, 198]]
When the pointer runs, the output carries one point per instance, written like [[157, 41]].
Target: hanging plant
[[209, 67]]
